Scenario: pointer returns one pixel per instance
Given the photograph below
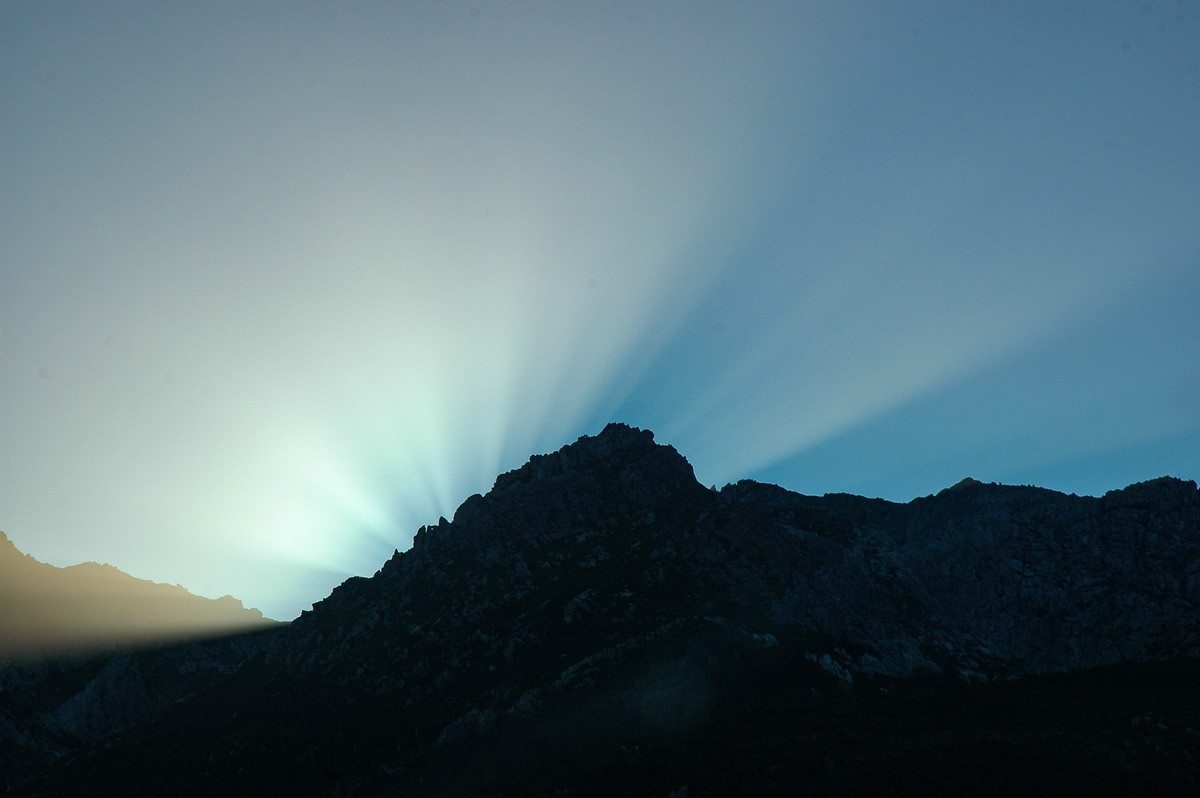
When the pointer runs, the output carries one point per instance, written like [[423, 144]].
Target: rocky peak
[[620, 457], [1160, 492], [619, 472], [558, 523], [965, 483]]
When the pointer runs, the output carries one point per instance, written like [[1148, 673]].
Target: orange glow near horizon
[[49, 612]]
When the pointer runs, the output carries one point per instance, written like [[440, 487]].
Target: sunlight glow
[[310, 280]]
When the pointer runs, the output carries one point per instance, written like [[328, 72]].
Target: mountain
[[47, 611], [600, 623]]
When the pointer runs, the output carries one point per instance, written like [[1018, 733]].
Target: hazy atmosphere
[[281, 282]]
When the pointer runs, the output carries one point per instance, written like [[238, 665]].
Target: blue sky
[[280, 282]]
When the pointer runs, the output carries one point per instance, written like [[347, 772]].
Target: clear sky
[[280, 282]]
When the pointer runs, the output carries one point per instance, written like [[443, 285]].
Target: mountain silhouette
[[601, 623], [46, 611]]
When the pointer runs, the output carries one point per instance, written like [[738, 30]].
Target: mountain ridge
[[596, 617], [48, 611]]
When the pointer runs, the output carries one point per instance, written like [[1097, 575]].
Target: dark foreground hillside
[[760, 730], [601, 624]]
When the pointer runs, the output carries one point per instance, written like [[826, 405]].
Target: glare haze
[[281, 282]]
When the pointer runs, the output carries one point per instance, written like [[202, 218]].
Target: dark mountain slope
[[600, 623]]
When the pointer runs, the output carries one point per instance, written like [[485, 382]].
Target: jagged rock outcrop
[[599, 618]]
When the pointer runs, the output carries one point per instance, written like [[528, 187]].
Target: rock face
[[600, 622]]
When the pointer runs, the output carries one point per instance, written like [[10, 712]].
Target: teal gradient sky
[[280, 282]]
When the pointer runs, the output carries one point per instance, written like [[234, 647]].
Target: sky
[[282, 281]]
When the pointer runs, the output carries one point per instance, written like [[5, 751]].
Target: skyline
[[282, 283]]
